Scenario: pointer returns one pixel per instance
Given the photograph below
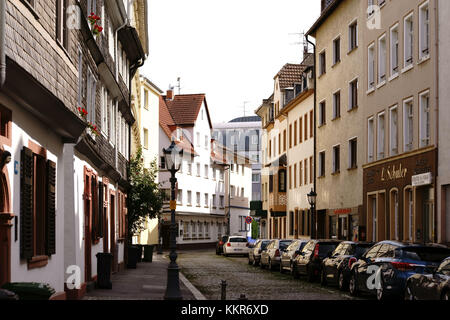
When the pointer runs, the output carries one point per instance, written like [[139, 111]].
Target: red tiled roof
[[184, 108], [290, 74]]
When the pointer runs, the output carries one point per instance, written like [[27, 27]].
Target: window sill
[[322, 125], [336, 64], [30, 8], [352, 50], [423, 59], [407, 68], [352, 109], [336, 173], [393, 77], [37, 262], [381, 84], [371, 90], [336, 118], [352, 168]]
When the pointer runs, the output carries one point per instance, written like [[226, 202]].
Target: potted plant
[[30, 290], [144, 201]]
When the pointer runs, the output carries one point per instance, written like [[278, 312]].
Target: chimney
[[170, 94]]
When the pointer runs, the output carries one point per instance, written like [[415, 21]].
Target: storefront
[[399, 198], [342, 224]]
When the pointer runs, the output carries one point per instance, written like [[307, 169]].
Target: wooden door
[[112, 225], [87, 227]]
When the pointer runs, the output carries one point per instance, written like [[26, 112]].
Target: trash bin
[[139, 252], [30, 290], [104, 265], [148, 252], [8, 295], [132, 257]]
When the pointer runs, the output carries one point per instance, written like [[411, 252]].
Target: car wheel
[[446, 295], [323, 278], [281, 268], [381, 293], [255, 263], [408, 293], [310, 275], [270, 265], [353, 285], [342, 284], [261, 264]]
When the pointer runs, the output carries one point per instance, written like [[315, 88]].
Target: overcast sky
[[229, 50]]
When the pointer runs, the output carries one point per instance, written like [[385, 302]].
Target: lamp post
[[312, 197], [173, 156]]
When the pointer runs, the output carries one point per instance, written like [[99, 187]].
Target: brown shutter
[[26, 204], [100, 209], [50, 245], [94, 193]]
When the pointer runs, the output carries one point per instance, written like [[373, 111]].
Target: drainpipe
[[2, 43], [438, 212], [315, 129]]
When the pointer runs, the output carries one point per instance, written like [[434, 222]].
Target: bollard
[[224, 289], [243, 297]]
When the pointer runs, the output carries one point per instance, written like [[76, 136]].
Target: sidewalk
[[147, 282]]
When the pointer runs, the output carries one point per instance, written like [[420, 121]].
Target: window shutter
[[100, 209], [50, 245], [26, 204]]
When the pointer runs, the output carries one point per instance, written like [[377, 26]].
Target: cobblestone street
[[205, 270]]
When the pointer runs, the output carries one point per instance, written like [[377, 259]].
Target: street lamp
[[312, 198], [173, 156]]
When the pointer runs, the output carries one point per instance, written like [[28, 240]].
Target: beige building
[[339, 116], [400, 116]]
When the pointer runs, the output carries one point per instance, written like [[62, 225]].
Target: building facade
[[63, 192], [339, 36]]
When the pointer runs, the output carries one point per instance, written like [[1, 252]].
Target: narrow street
[[205, 270]]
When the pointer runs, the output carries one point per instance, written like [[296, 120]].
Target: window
[[189, 198], [371, 67], [92, 83], [104, 110], [424, 32], [290, 177], [180, 196], [311, 170], [162, 162], [146, 99], [189, 168], [282, 181], [381, 136], [80, 77], [290, 136], [370, 140], [382, 59], [394, 50], [300, 131], [112, 124], [295, 133], [311, 124], [206, 142], [306, 126], [198, 139], [300, 173], [206, 171], [353, 95], [214, 201], [222, 202], [322, 63], [243, 226], [62, 34], [408, 124], [206, 200], [393, 131], [197, 202], [337, 105], [306, 171], [37, 212], [408, 41], [194, 230], [295, 176], [353, 153], [214, 171], [353, 36], [255, 178], [322, 113], [284, 143], [322, 164], [336, 159], [5, 125], [425, 130], [336, 50], [145, 138]]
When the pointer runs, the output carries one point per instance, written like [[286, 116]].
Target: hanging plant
[[97, 30], [93, 20], [83, 114]]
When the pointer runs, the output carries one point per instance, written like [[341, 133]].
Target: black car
[[430, 286], [384, 269], [254, 254], [309, 261], [220, 243], [336, 268], [290, 253]]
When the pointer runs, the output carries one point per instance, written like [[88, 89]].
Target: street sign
[[249, 220], [422, 179]]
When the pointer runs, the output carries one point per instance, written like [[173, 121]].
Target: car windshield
[[264, 244], [238, 240], [284, 244], [425, 253], [324, 248]]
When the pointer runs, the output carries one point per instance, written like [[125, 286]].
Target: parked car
[[254, 254], [385, 267], [309, 261], [236, 245], [271, 256], [430, 286], [220, 243], [336, 268], [291, 252]]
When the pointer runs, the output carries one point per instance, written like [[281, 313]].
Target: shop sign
[[393, 173], [342, 211], [422, 179]]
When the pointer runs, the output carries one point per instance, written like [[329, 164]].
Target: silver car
[[254, 254], [272, 255]]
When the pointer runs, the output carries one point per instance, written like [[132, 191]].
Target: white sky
[[229, 50]]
